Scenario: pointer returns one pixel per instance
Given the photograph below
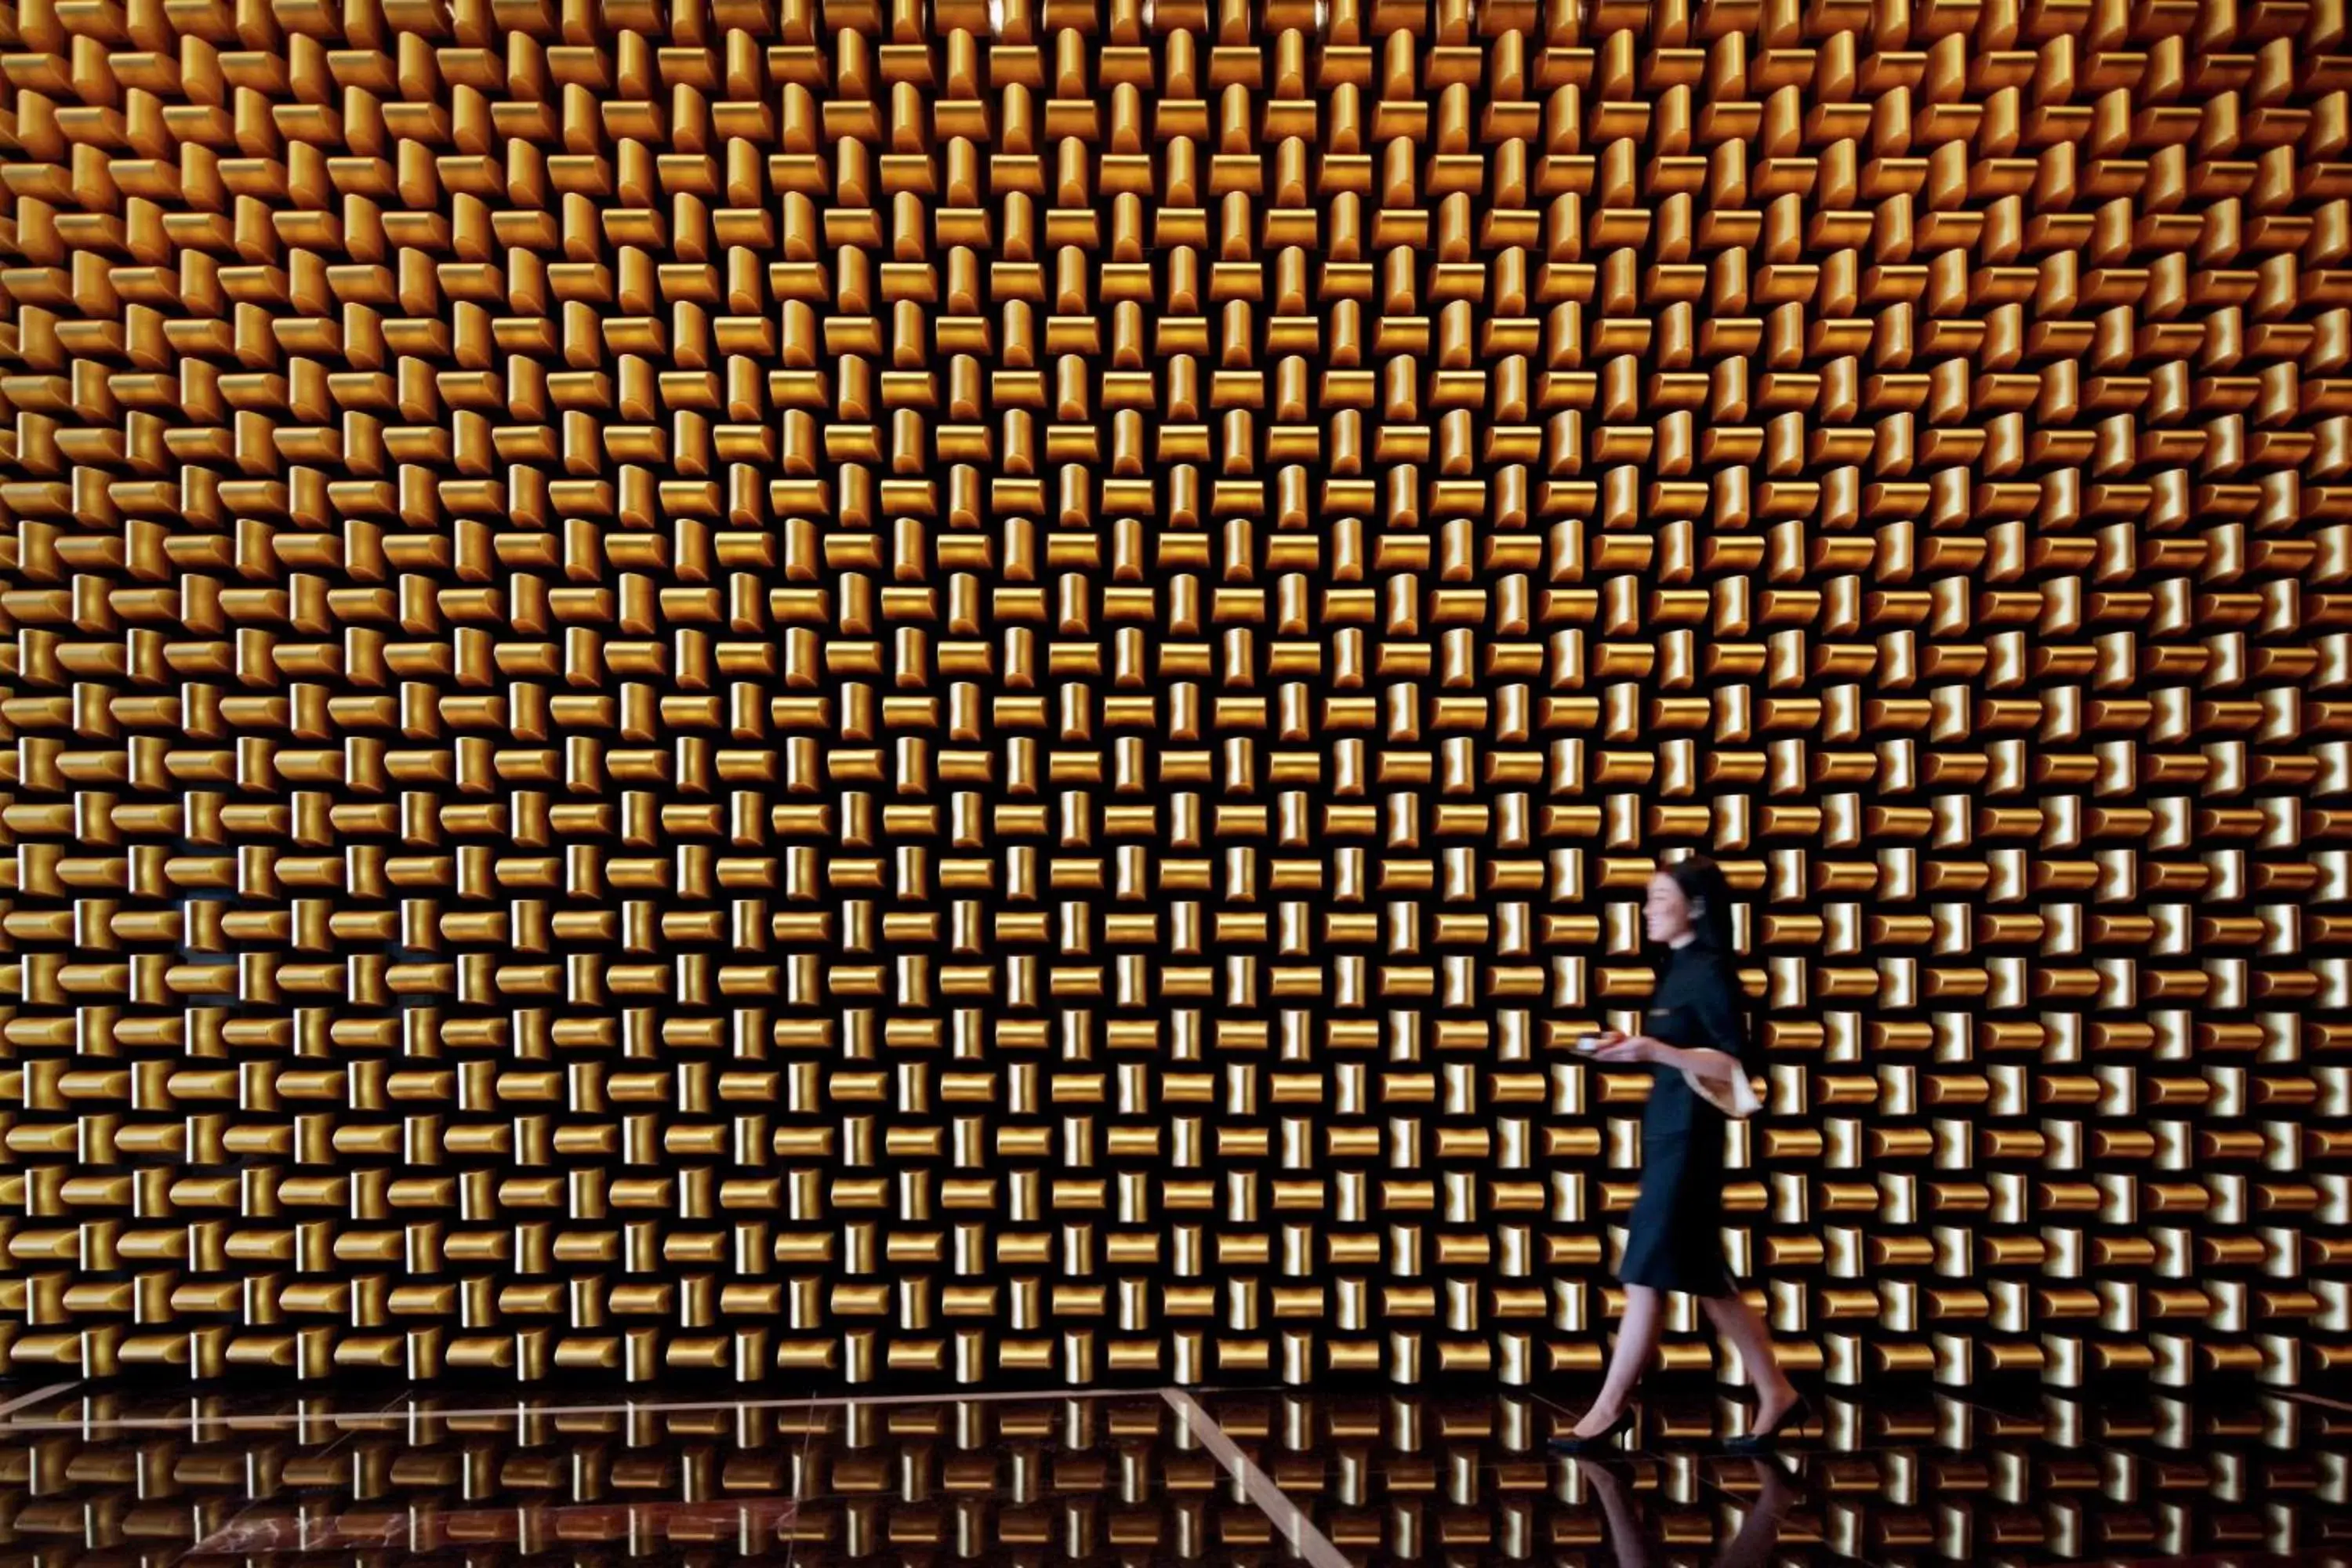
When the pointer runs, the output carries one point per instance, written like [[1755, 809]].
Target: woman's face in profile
[[1665, 914]]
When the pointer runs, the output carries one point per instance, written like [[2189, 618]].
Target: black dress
[[1673, 1239]]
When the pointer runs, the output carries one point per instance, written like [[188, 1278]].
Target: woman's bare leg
[[1737, 1322], [1637, 1340]]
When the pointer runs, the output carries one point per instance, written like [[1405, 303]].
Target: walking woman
[[1674, 1241]]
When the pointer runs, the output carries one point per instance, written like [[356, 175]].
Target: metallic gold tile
[[944, 689]]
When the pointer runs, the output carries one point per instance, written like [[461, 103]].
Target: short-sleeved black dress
[[1673, 1239]]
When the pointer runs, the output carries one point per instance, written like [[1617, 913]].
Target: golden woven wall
[[758, 685]]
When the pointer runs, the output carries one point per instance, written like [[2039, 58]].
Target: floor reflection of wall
[[1898, 1481]]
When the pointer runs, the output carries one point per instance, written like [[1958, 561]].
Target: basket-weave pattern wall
[[764, 685]]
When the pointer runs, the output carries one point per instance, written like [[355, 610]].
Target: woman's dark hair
[[1702, 881]]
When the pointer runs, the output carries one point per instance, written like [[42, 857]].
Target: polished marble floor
[[101, 1477]]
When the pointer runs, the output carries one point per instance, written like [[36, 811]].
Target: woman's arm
[[1701, 1061], [1721, 1016], [1710, 1063]]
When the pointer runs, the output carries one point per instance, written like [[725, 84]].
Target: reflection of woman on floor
[[1674, 1237], [1757, 1531]]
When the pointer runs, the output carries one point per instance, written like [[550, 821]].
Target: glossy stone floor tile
[[1897, 1478], [1074, 1478]]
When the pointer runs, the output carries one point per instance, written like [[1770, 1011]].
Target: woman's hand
[[1634, 1048]]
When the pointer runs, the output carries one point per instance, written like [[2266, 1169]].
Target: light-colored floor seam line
[[51, 1392], [256, 1505], [520, 1409], [1305, 1539]]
